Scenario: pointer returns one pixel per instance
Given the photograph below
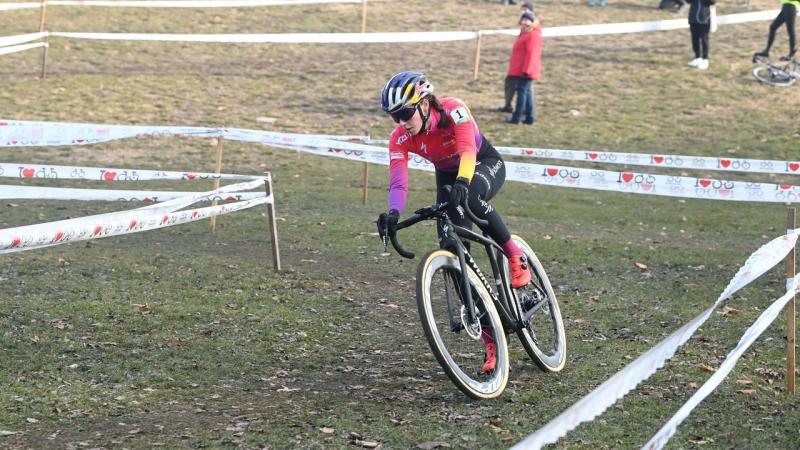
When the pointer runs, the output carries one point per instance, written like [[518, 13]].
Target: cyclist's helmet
[[405, 90]]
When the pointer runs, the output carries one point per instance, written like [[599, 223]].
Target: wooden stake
[[272, 225], [42, 15], [44, 58], [790, 311], [477, 57], [217, 170], [366, 181], [363, 16]]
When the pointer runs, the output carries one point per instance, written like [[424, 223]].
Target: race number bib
[[460, 115]]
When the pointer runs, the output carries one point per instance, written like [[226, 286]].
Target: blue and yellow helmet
[[405, 90]]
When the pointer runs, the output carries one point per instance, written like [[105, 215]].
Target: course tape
[[641, 159], [35, 171], [124, 222], [764, 320], [8, 192], [616, 387], [408, 37], [604, 180], [170, 4], [21, 48], [22, 38]]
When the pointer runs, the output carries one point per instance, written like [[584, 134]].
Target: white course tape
[[764, 320], [8, 192], [640, 159], [282, 38], [21, 48], [171, 4], [123, 222], [416, 36], [616, 387], [95, 227], [629, 182], [31, 171], [21, 39]]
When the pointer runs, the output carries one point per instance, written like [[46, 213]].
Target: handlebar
[[420, 215]]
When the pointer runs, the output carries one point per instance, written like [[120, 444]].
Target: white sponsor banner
[[640, 159], [48, 171], [18, 133], [616, 387], [21, 39], [21, 48], [759, 326], [171, 4], [629, 182], [8, 192], [123, 222]]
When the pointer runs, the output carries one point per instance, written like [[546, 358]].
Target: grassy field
[[329, 353]]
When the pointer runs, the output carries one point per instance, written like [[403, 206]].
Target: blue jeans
[[524, 101]]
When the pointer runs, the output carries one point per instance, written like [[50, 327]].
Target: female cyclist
[[444, 132]]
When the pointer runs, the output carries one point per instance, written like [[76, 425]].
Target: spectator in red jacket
[[511, 82], [526, 64]]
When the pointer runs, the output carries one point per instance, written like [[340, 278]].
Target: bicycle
[[782, 74], [455, 310]]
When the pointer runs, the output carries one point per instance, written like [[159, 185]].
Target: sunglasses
[[404, 114]]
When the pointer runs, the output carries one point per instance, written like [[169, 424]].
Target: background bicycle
[[781, 73]]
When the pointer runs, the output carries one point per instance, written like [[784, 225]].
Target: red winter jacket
[[526, 56]]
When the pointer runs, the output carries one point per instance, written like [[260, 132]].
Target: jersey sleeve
[[398, 171], [465, 132]]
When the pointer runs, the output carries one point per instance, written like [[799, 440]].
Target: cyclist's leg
[[790, 28]]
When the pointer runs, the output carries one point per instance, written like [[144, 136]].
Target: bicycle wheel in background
[[543, 337], [774, 77], [457, 345]]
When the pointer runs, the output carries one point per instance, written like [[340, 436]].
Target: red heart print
[[28, 172], [97, 230], [16, 241], [59, 236], [530, 152], [593, 155], [147, 200], [785, 187], [190, 176], [132, 224], [794, 166], [705, 182], [725, 163], [165, 219], [658, 159], [109, 176], [552, 172], [627, 177]]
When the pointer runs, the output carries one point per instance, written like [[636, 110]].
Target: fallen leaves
[[706, 368], [728, 311], [642, 266], [746, 391], [141, 308], [432, 445]]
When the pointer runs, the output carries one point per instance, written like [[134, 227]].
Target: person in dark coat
[[700, 28]]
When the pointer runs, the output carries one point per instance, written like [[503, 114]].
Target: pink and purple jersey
[[450, 149]]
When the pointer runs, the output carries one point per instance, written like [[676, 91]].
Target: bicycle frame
[[504, 299]]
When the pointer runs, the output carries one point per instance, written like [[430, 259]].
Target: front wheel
[[775, 77], [456, 341], [543, 335]]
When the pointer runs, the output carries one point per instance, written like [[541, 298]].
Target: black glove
[[387, 223], [459, 192]]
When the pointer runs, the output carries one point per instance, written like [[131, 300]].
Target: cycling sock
[[511, 249]]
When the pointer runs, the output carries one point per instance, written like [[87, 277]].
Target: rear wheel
[[773, 76], [543, 335], [456, 342]]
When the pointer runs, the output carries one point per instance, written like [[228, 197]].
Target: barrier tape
[[409, 37], [22, 38], [604, 180], [616, 387], [170, 4], [21, 48], [124, 222], [642, 159], [8, 192], [32, 171], [759, 326]]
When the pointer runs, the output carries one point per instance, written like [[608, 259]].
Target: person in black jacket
[[700, 27]]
